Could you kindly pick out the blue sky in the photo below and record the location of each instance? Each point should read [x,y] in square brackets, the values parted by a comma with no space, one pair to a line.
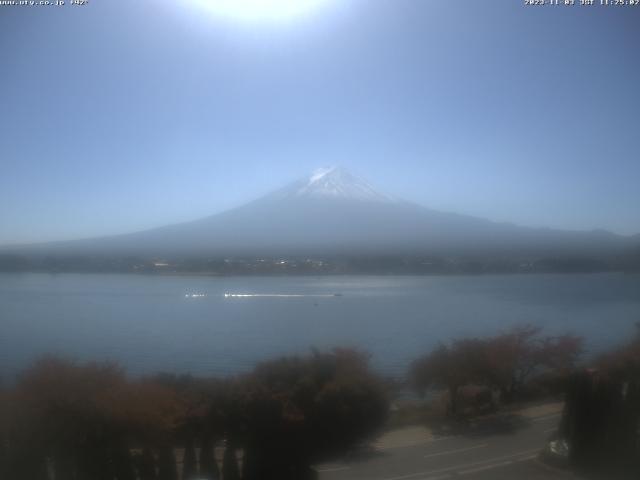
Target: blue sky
[120,115]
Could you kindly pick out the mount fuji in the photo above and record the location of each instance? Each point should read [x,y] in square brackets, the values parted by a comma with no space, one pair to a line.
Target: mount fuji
[334,212]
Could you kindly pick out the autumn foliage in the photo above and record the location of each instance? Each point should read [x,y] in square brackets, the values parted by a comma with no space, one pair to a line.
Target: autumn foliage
[503,363]
[72,421]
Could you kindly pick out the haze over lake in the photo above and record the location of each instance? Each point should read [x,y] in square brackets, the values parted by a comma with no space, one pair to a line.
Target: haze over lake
[187,324]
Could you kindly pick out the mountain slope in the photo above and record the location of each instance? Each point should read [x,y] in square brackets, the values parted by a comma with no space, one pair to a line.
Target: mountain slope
[334,212]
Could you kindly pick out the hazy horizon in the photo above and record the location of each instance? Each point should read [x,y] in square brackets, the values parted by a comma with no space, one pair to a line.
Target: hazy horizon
[121,117]
[293,187]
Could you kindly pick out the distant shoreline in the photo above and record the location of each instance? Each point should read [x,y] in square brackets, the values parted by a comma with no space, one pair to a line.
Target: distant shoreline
[324,274]
[320,265]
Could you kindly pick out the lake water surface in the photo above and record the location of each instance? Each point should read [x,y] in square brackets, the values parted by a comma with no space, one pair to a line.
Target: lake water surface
[188,324]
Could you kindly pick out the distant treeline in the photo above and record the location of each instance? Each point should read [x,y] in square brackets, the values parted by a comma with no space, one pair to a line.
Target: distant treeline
[362,264]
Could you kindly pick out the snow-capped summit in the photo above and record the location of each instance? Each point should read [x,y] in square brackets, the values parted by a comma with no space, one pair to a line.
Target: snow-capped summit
[334,212]
[338,183]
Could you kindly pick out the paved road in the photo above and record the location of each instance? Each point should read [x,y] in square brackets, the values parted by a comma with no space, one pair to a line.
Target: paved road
[504,449]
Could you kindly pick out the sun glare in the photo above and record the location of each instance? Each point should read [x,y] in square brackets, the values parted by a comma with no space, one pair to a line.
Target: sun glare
[259,9]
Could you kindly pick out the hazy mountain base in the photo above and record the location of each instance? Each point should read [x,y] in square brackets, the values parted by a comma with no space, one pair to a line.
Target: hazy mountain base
[273,227]
[334,222]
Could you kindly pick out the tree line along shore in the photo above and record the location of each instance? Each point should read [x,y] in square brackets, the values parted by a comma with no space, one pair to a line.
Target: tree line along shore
[323,265]
[89,421]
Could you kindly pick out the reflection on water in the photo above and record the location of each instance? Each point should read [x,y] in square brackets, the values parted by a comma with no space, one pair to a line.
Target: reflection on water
[265,295]
[180,324]
[279,295]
